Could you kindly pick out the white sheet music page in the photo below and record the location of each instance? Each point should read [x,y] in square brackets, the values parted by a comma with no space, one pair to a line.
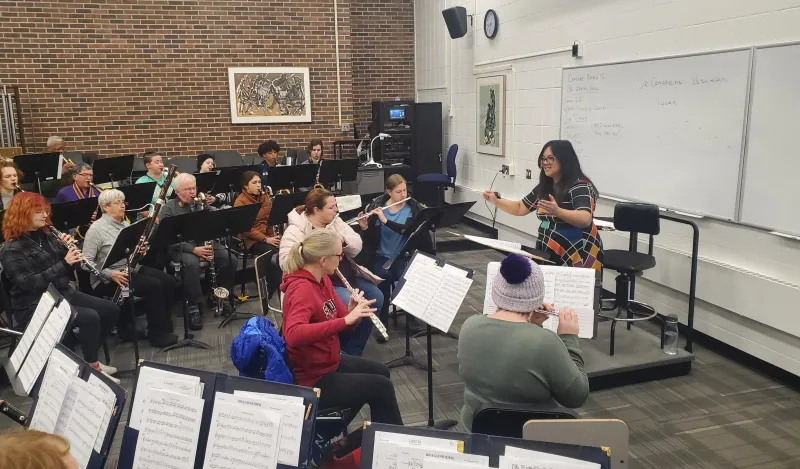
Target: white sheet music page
[70,398]
[151,379]
[274,397]
[44,306]
[413,457]
[571,287]
[430,463]
[419,288]
[492,269]
[345,203]
[49,336]
[447,299]
[57,378]
[507,246]
[84,421]
[292,416]
[108,403]
[242,436]
[544,460]
[388,445]
[169,431]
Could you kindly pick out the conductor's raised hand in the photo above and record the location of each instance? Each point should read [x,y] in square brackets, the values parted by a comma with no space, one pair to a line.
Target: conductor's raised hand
[549,207]
[490,197]
[362,310]
[567,322]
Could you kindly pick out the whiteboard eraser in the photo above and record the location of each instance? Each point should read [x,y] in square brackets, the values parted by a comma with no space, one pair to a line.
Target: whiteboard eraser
[577,50]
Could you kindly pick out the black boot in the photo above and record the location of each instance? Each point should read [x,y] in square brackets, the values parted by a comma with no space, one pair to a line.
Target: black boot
[195,318]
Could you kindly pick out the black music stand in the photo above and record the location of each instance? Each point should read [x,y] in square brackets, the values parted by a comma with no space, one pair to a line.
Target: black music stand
[230,179]
[282,205]
[37,167]
[126,242]
[172,230]
[67,215]
[113,169]
[338,171]
[138,196]
[292,177]
[205,182]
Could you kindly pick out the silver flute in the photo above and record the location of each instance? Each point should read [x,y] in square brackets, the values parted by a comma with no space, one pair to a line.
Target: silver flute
[70,245]
[355,220]
[377,322]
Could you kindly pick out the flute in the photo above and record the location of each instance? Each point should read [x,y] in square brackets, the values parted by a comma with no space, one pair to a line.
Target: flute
[356,219]
[377,322]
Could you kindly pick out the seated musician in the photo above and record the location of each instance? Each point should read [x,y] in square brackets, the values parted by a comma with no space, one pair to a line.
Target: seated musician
[269,151]
[192,252]
[56,144]
[320,212]
[32,449]
[314,150]
[314,315]
[508,358]
[154,163]
[10,177]
[206,164]
[261,238]
[383,234]
[155,287]
[33,258]
[81,187]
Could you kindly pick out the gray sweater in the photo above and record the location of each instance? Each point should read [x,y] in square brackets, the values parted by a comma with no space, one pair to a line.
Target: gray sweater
[504,362]
[172,208]
[99,240]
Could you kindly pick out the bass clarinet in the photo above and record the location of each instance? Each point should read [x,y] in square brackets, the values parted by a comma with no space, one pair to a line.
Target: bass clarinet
[377,322]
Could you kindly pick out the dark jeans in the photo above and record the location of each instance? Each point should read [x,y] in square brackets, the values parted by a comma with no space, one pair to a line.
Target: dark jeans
[191,273]
[353,342]
[360,381]
[96,317]
[274,274]
[158,292]
[390,276]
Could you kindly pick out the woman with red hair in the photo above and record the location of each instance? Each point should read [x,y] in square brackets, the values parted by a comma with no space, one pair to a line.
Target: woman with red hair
[33,258]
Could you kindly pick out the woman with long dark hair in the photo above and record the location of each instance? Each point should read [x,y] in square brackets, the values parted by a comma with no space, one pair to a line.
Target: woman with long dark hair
[564,201]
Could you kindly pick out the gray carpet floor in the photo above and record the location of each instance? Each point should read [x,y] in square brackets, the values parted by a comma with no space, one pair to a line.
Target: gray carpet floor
[721,415]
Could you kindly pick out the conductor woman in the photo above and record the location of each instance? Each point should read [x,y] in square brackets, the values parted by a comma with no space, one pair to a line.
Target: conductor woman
[564,201]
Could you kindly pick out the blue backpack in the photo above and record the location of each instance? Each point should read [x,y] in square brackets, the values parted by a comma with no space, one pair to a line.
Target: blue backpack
[258,352]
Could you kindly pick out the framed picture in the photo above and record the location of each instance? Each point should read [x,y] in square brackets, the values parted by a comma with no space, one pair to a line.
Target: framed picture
[491,116]
[269,95]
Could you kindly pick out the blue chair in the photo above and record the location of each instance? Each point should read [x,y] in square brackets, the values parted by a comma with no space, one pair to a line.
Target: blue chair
[442,181]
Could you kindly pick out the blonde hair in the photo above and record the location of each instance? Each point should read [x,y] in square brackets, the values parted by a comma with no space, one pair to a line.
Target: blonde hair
[32,449]
[393,181]
[315,246]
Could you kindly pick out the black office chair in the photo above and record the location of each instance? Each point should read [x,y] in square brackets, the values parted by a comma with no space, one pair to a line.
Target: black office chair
[636,219]
[226,158]
[442,180]
[185,164]
[298,155]
[508,419]
[139,169]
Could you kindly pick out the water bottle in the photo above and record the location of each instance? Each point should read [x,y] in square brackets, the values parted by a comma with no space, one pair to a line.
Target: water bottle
[671,335]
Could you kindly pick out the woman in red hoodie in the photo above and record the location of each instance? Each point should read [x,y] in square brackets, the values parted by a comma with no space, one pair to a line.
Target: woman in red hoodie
[313,318]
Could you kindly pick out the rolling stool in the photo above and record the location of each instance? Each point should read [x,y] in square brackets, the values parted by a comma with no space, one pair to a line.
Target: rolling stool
[634,218]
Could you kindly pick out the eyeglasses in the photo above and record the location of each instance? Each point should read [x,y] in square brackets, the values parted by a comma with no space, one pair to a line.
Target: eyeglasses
[547,160]
[340,256]
[86,175]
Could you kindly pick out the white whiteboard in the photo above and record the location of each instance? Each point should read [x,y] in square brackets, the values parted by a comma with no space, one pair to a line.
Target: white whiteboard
[664,131]
[770,194]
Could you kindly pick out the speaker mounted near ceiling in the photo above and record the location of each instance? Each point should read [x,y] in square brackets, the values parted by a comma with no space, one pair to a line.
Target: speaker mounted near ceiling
[456,20]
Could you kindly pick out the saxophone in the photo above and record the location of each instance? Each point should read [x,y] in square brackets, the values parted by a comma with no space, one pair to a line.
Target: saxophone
[377,322]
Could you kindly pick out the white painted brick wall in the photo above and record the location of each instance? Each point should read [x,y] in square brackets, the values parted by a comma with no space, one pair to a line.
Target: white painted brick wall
[749,286]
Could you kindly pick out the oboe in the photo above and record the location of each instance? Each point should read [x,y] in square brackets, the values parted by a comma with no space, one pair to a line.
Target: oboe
[70,245]
[377,322]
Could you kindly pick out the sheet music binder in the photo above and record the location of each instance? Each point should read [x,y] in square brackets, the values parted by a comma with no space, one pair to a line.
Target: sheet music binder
[219,382]
[486,445]
[97,460]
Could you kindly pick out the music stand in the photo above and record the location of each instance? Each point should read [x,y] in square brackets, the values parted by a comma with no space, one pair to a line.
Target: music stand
[138,196]
[68,215]
[124,245]
[338,171]
[37,167]
[230,179]
[112,169]
[292,177]
[282,205]
[205,182]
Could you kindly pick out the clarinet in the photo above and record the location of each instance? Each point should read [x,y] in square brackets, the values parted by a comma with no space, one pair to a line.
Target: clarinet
[377,322]
[70,245]
[13,413]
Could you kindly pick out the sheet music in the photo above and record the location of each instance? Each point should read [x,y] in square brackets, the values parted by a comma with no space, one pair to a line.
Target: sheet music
[507,246]
[46,303]
[107,406]
[50,335]
[242,436]
[445,303]
[388,446]
[84,421]
[419,260]
[57,378]
[571,287]
[419,288]
[518,458]
[413,457]
[604,225]
[430,463]
[291,421]
[70,398]
[274,397]
[170,430]
[345,203]
[153,379]
[492,269]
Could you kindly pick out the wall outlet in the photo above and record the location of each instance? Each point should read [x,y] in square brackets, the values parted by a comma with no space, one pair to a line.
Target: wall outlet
[346,127]
[504,169]
[528,174]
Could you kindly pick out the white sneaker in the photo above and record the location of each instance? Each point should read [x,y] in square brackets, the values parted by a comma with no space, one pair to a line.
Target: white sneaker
[108,369]
[115,380]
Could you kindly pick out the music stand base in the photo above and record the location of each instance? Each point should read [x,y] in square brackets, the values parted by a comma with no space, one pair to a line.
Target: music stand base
[187,342]
[409,359]
[234,316]
[422,333]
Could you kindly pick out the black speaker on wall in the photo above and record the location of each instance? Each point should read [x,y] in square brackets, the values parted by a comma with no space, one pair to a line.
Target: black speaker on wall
[456,19]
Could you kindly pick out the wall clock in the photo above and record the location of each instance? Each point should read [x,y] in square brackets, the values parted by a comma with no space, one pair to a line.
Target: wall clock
[490,24]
